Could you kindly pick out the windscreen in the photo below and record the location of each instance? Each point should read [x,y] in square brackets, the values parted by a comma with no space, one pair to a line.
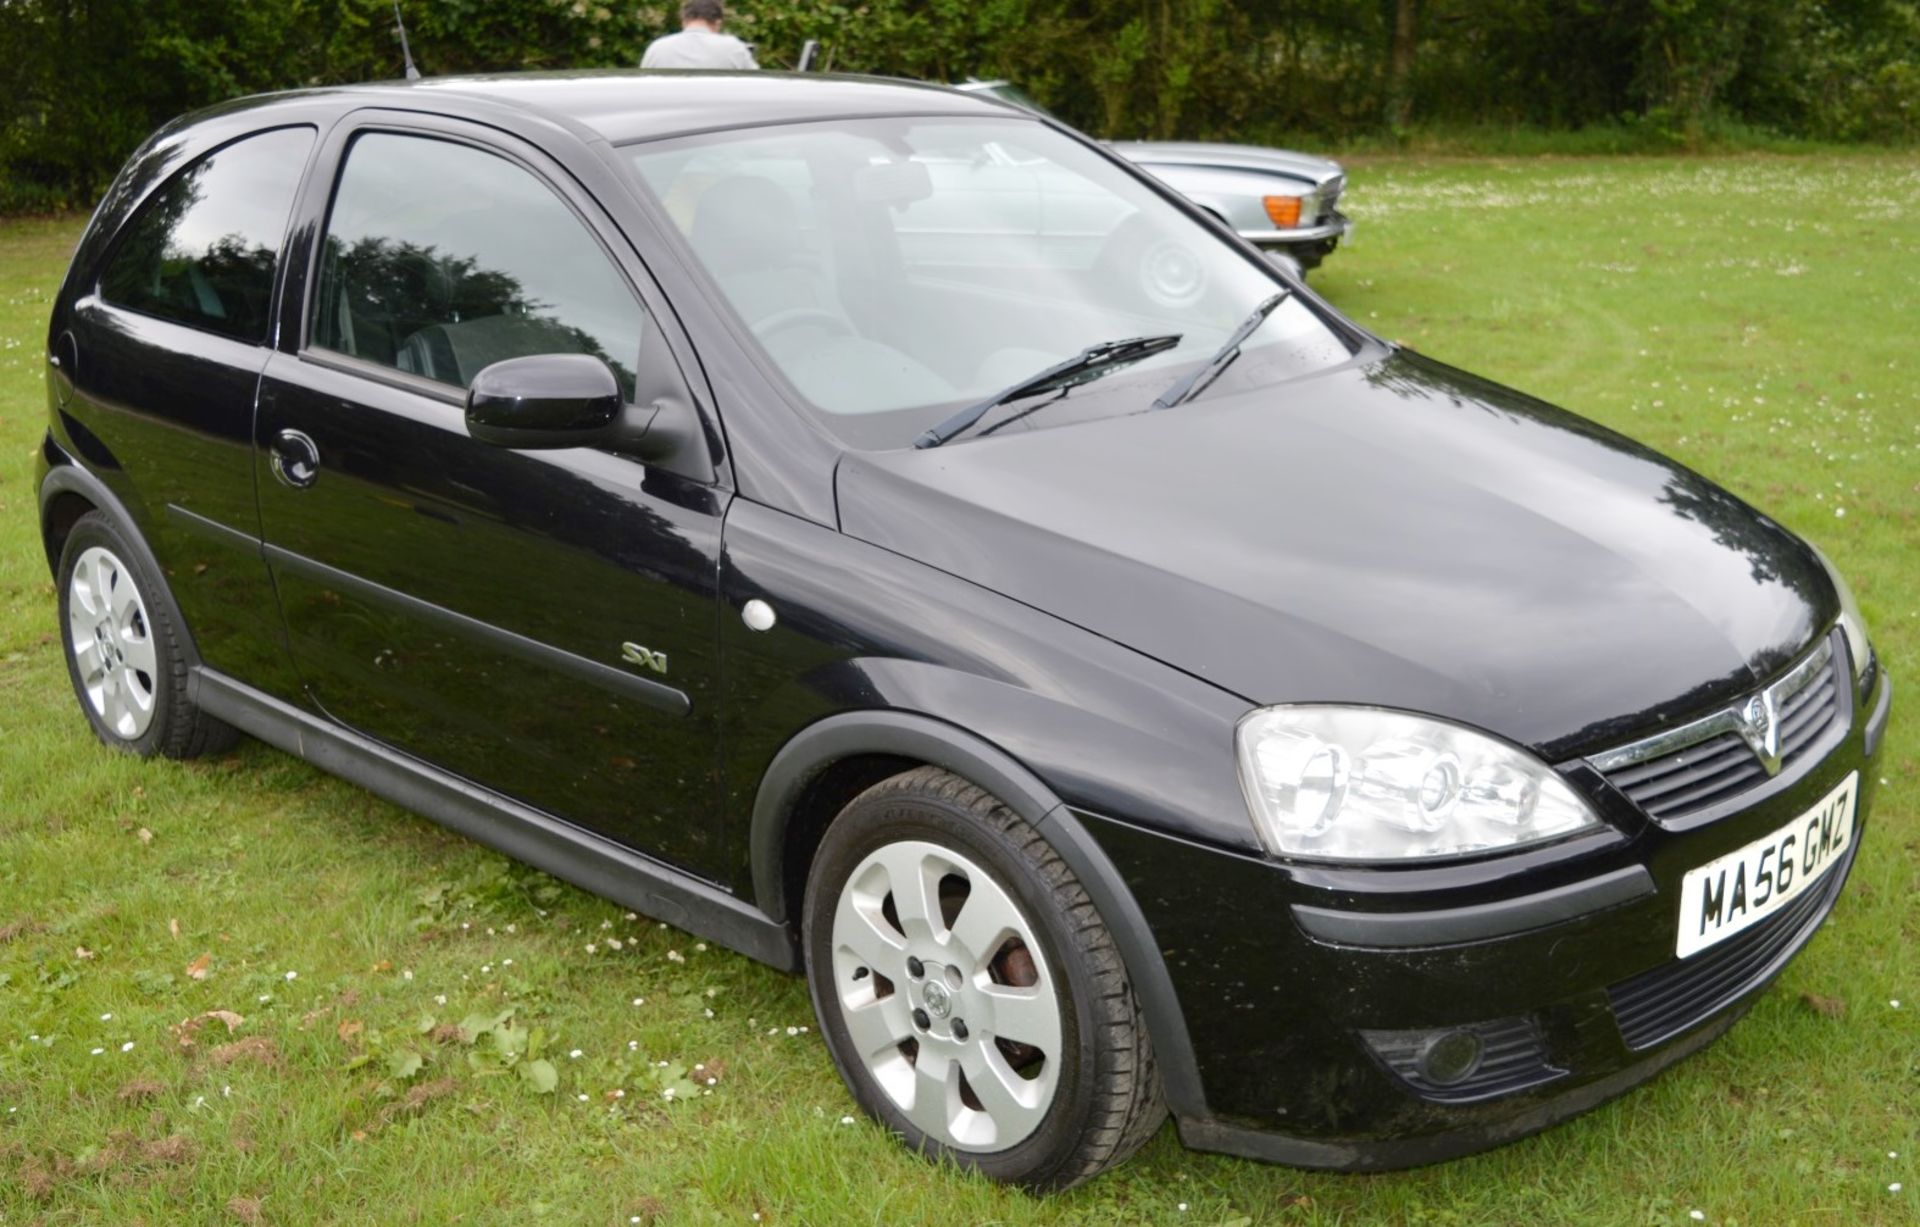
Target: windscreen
[894,269]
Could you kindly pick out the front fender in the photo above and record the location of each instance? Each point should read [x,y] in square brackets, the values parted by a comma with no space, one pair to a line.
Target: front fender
[873,655]
[859,628]
[1102,742]
[1234,195]
[925,739]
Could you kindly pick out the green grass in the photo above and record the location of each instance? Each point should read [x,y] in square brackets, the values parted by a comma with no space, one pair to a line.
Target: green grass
[1629,135]
[1753,316]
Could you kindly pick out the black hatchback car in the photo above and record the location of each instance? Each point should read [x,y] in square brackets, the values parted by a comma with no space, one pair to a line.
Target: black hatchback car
[884,532]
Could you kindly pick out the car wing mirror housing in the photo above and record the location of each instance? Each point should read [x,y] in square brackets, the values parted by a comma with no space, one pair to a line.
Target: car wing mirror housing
[544,400]
[574,400]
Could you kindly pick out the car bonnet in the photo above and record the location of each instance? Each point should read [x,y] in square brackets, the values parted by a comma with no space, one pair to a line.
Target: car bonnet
[1230,157]
[1395,533]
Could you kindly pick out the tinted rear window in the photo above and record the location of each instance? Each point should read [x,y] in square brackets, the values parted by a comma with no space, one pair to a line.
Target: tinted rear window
[201,251]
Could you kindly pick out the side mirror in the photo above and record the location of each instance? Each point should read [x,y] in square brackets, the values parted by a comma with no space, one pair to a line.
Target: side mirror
[545,400]
[574,400]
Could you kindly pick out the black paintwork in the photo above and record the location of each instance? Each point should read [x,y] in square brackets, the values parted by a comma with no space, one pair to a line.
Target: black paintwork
[1077,614]
[1283,1060]
[544,400]
[1309,519]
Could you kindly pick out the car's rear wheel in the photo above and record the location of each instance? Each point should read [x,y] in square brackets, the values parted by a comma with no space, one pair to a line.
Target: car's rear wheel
[124,653]
[968,989]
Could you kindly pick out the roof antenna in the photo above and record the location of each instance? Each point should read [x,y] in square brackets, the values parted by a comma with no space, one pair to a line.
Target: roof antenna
[406,52]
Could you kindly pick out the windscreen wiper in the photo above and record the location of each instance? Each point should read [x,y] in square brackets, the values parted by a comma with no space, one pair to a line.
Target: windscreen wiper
[1089,364]
[1190,386]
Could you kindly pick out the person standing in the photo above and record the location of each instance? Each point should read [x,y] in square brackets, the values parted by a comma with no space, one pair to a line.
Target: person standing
[699,44]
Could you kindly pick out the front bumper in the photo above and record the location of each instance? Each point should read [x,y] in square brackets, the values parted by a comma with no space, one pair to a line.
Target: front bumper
[1320,232]
[1305,988]
[1307,245]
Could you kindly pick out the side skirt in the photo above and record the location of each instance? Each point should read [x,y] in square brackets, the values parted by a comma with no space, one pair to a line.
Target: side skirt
[589,861]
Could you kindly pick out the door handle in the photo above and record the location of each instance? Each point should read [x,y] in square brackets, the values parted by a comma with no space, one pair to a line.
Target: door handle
[295,459]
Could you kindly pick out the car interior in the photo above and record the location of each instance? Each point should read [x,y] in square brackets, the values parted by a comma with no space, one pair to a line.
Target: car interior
[891,269]
[441,260]
[873,295]
[223,285]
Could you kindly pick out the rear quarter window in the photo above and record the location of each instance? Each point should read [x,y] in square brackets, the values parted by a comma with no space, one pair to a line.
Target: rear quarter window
[201,251]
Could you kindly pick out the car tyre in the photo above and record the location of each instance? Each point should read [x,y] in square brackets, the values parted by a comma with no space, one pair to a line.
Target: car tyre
[930,901]
[124,650]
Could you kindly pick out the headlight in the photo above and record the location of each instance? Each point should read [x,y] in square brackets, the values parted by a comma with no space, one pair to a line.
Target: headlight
[1355,783]
[1851,621]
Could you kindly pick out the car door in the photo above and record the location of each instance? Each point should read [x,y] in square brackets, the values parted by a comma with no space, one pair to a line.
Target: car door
[539,622]
[168,344]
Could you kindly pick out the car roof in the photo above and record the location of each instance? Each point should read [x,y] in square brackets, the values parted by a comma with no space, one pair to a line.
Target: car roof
[629,105]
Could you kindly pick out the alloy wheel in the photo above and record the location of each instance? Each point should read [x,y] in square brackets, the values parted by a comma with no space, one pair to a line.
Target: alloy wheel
[111,638]
[946,995]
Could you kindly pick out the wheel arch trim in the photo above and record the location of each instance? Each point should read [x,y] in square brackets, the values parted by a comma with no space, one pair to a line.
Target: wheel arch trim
[940,744]
[72,478]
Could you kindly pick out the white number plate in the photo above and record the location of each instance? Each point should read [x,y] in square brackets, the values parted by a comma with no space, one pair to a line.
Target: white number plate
[1747,885]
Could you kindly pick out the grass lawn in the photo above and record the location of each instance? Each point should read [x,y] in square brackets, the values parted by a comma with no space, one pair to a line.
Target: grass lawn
[1753,316]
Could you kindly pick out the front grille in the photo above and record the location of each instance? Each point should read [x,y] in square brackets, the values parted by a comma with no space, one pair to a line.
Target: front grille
[1710,761]
[1330,195]
[1659,1004]
[1693,778]
[1807,714]
[1514,1058]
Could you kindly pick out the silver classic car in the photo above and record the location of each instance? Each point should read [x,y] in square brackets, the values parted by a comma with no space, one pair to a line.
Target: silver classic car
[1279,200]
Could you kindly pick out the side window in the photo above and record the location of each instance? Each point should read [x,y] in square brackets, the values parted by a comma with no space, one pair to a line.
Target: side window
[441,259]
[202,250]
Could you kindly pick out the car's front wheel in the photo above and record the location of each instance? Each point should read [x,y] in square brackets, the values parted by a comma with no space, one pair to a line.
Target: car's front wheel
[124,653]
[968,989]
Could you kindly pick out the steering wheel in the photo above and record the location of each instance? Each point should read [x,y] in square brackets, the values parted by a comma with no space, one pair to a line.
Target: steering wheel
[798,317]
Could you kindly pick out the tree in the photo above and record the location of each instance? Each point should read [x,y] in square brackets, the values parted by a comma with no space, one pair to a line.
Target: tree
[1400,64]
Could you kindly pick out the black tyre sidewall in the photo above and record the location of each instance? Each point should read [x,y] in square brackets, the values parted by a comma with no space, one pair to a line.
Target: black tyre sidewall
[870,823]
[95,529]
